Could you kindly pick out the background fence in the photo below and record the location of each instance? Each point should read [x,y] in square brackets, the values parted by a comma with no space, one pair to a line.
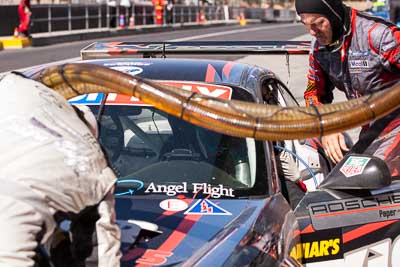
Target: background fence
[69,17]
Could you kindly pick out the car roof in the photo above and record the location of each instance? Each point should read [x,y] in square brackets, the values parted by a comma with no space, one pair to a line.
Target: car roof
[187,69]
[239,76]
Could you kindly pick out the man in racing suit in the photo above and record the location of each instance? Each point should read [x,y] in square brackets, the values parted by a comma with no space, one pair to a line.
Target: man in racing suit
[358,54]
[52,169]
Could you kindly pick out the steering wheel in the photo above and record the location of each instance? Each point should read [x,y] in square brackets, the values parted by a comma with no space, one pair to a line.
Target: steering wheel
[112,138]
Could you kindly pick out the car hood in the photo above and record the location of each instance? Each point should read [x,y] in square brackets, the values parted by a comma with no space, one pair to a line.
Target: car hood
[152,235]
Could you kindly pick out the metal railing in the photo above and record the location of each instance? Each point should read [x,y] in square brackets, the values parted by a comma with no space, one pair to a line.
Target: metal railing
[51,18]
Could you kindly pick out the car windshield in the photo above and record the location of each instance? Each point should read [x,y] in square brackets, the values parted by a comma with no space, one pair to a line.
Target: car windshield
[169,155]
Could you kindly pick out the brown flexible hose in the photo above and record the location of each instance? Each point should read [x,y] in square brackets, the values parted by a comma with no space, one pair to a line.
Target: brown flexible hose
[236,118]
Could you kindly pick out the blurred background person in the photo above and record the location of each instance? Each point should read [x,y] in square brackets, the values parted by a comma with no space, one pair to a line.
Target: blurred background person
[170,11]
[24,12]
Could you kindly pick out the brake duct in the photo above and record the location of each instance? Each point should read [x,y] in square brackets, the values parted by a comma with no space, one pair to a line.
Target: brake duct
[231,117]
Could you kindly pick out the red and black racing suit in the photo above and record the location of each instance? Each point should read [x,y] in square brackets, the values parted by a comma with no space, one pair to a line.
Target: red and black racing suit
[366,60]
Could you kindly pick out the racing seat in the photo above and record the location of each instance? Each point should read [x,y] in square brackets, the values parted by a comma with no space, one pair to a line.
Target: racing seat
[227,153]
[191,142]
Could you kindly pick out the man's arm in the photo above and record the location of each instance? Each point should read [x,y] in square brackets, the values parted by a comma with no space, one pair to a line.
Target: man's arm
[388,46]
[319,88]
[319,91]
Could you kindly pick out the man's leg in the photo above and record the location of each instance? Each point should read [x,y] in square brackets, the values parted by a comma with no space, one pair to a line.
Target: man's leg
[20,226]
[106,251]
[22,20]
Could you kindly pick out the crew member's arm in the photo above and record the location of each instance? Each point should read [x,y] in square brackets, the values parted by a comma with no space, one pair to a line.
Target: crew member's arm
[388,46]
[318,92]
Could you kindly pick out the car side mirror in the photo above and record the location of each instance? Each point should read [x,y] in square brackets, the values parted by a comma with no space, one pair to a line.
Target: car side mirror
[358,171]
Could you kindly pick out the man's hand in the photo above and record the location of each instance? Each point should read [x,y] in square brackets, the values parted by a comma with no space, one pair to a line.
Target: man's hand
[333,145]
[289,166]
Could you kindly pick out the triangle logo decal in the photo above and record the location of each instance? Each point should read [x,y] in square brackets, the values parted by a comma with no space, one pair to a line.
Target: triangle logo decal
[206,207]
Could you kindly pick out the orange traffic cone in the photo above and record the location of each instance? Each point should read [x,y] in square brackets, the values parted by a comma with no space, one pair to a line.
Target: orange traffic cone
[131,22]
[242,19]
[16,33]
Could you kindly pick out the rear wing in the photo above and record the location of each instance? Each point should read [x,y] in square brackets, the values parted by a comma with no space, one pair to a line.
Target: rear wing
[99,50]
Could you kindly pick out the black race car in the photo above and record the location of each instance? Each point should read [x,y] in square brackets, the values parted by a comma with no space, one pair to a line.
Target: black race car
[190,196]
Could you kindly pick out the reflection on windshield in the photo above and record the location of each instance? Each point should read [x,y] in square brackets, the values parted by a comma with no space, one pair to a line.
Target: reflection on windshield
[171,155]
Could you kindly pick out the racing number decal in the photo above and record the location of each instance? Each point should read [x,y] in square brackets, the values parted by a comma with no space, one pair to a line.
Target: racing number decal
[154,257]
[372,255]
[382,253]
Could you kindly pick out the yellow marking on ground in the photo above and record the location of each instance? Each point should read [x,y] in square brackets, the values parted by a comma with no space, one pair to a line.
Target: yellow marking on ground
[12,43]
